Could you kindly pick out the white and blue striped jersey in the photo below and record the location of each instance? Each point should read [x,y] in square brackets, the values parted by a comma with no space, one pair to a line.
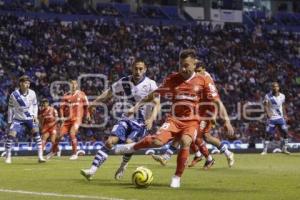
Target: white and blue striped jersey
[275,105]
[131,93]
[22,106]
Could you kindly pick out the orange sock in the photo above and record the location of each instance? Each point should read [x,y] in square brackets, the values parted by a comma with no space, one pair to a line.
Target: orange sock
[203,149]
[193,147]
[182,159]
[144,143]
[74,146]
[43,144]
[55,146]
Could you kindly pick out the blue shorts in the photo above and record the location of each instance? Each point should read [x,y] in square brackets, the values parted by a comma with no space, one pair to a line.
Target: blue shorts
[129,129]
[18,125]
[271,125]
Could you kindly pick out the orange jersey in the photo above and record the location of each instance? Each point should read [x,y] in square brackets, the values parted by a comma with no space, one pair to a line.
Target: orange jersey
[48,116]
[74,106]
[207,108]
[186,95]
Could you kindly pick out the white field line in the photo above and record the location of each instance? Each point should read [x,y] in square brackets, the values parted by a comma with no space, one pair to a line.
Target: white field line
[57,195]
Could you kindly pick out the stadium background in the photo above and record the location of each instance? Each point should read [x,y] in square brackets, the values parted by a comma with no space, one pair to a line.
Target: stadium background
[244,44]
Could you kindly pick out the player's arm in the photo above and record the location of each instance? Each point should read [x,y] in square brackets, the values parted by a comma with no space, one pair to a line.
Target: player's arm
[224,115]
[211,92]
[10,113]
[86,112]
[284,111]
[267,108]
[104,97]
[35,109]
[62,107]
[147,99]
[156,108]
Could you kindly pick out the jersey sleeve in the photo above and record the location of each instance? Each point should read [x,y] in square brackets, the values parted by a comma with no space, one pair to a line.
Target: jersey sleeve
[210,90]
[63,105]
[153,86]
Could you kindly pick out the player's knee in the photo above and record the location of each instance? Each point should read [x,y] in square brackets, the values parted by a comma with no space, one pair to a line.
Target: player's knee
[109,143]
[185,141]
[35,130]
[157,143]
[12,134]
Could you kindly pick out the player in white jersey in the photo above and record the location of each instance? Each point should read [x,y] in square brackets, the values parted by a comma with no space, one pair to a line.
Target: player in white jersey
[127,130]
[23,111]
[274,107]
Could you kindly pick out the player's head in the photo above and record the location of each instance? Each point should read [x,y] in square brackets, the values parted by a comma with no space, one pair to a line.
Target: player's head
[45,102]
[73,85]
[275,87]
[139,69]
[200,67]
[24,83]
[187,62]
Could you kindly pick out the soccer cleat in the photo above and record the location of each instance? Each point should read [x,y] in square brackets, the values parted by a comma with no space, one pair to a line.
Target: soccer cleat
[230,160]
[285,151]
[195,161]
[125,148]
[8,160]
[41,160]
[175,182]
[87,174]
[74,157]
[50,155]
[263,153]
[120,172]
[162,160]
[208,164]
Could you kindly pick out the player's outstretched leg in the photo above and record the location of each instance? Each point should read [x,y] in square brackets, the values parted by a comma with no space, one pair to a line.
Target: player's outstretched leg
[99,159]
[121,170]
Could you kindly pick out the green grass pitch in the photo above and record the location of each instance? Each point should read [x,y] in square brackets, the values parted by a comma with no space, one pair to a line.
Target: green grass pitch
[252,177]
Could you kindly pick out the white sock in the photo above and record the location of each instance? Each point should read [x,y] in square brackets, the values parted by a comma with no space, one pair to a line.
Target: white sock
[198,154]
[266,144]
[93,169]
[209,158]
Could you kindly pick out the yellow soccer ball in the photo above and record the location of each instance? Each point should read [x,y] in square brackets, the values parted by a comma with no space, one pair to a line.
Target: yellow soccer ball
[142,177]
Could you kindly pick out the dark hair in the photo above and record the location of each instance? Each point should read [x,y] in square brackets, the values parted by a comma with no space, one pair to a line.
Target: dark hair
[45,100]
[187,53]
[24,78]
[138,60]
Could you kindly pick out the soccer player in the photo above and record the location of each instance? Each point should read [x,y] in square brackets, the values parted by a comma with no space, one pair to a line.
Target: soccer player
[186,89]
[127,130]
[73,110]
[208,112]
[48,118]
[22,111]
[276,114]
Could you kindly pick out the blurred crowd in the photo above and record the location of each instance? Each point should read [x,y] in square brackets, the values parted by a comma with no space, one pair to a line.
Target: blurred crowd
[242,63]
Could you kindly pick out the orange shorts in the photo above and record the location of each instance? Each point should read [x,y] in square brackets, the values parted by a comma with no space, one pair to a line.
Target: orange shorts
[204,128]
[173,128]
[67,125]
[51,130]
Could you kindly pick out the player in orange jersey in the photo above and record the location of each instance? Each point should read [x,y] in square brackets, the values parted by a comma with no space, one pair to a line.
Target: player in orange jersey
[207,113]
[187,89]
[73,110]
[48,118]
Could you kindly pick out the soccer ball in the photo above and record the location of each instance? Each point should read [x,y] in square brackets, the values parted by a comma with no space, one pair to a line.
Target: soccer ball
[142,177]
